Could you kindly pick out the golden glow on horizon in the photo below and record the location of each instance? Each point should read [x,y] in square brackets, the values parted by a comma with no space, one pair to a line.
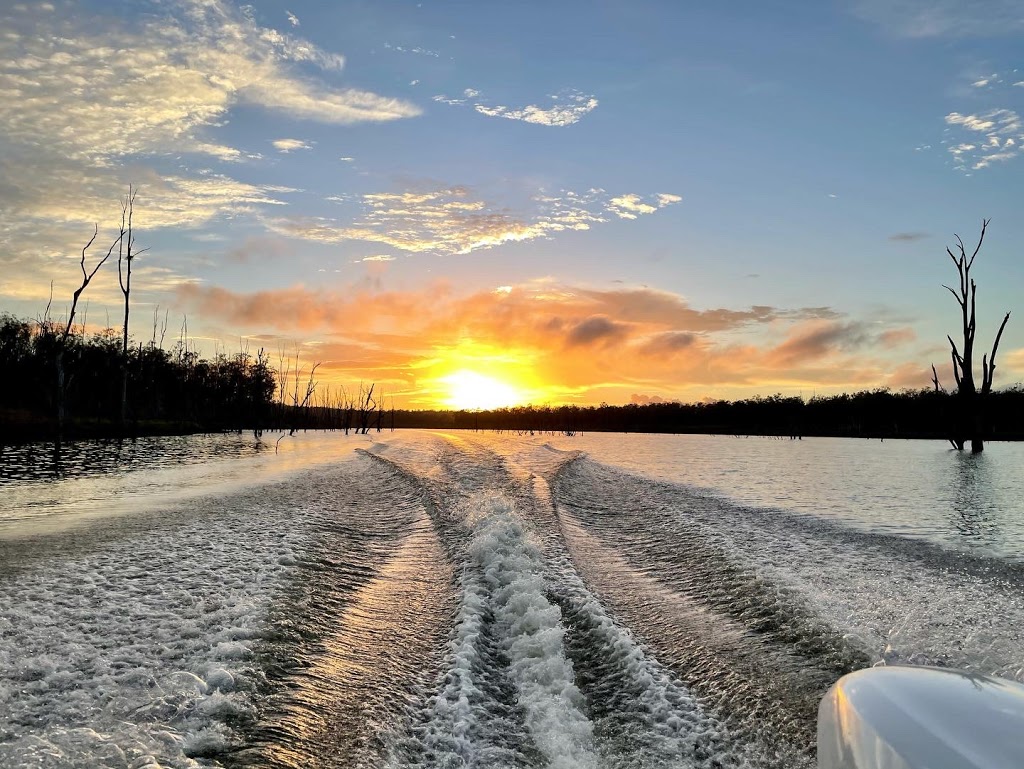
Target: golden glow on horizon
[470,390]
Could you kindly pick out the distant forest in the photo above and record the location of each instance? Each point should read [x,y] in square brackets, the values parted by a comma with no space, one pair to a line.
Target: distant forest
[177,391]
[168,391]
[878,413]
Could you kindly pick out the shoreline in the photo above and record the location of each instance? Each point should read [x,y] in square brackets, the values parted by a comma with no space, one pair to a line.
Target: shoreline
[24,432]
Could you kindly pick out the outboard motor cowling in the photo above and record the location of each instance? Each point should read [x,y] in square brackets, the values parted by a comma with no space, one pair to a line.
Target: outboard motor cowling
[921,718]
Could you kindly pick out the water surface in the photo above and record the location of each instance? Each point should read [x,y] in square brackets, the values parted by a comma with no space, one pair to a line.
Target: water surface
[418,599]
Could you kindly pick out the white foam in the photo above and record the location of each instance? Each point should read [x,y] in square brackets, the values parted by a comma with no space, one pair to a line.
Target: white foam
[504,579]
[513,573]
[137,649]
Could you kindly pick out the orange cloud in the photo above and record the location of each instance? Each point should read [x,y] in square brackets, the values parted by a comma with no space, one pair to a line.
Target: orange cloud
[561,343]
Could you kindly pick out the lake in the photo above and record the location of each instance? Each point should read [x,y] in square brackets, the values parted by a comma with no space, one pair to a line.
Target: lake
[419,599]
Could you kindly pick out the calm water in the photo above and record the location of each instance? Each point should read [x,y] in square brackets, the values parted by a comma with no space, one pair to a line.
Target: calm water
[430,600]
[911,488]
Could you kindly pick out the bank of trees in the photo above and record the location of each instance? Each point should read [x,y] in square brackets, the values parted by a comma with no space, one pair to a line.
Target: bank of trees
[878,413]
[103,379]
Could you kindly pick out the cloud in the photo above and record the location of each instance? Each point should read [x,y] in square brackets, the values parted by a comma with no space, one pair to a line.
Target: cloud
[1013,362]
[290,145]
[629,206]
[377,258]
[669,342]
[90,104]
[292,18]
[583,343]
[908,237]
[943,18]
[48,206]
[911,375]
[67,87]
[818,338]
[991,137]
[987,81]
[568,108]
[415,49]
[897,337]
[454,220]
[596,328]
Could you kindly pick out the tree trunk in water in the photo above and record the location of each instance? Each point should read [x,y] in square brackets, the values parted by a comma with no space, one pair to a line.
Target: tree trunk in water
[60,392]
[124,394]
[979,423]
[124,355]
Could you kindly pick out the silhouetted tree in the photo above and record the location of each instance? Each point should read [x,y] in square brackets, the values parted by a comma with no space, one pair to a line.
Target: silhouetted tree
[971,412]
[126,253]
[62,343]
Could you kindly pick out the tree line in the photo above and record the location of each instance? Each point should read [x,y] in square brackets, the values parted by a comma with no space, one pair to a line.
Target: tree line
[113,388]
[173,390]
[878,413]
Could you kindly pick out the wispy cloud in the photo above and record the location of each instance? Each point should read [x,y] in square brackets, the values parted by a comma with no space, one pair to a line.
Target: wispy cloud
[292,18]
[989,137]
[96,103]
[943,18]
[908,237]
[66,88]
[290,145]
[566,108]
[413,49]
[455,220]
[632,206]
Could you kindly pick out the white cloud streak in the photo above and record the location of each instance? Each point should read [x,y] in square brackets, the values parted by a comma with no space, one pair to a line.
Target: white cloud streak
[109,91]
[995,136]
[290,145]
[454,221]
[566,109]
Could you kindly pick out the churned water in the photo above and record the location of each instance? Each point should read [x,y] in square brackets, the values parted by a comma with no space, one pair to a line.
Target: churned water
[477,600]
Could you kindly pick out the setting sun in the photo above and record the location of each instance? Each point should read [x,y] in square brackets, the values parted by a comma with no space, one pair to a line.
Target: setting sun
[470,390]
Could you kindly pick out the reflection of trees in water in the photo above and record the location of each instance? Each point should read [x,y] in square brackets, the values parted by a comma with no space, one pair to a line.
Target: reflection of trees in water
[975,511]
[73,459]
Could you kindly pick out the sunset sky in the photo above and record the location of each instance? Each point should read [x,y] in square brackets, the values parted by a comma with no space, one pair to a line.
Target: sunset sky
[472,203]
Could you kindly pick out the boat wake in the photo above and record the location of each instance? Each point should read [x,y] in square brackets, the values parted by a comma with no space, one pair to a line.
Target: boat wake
[444,601]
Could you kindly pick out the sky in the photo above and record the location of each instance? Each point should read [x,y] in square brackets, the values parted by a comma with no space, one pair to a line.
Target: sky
[474,204]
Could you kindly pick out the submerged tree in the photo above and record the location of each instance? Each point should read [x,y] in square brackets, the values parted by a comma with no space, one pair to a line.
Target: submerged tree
[63,336]
[970,420]
[126,254]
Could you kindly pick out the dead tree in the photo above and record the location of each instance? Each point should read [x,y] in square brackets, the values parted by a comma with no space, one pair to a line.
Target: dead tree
[126,253]
[970,420]
[367,405]
[62,342]
[300,409]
